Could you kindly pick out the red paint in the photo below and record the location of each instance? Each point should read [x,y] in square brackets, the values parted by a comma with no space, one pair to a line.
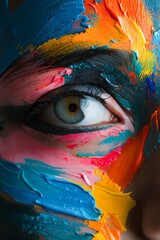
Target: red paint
[132,77]
[72,146]
[104,162]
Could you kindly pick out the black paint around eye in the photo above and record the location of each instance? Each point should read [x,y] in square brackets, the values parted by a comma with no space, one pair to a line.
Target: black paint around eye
[29,115]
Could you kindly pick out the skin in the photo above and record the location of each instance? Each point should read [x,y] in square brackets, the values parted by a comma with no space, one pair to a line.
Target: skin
[147,210]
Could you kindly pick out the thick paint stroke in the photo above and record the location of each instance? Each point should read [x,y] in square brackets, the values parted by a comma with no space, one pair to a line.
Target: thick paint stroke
[35,183]
[27,183]
[45,20]
[122,171]
[126,28]
[120,24]
[52,226]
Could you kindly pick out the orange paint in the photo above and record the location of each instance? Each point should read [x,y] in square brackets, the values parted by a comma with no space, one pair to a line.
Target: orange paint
[107,228]
[117,24]
[130,160]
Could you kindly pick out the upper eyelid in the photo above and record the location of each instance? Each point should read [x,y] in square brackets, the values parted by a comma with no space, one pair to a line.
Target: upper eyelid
[15,113]
[88,89]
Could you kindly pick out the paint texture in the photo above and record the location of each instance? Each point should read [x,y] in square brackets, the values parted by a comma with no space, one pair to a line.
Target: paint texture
[69,179]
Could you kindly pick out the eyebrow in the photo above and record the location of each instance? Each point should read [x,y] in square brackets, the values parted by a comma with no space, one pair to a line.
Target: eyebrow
[96,56]
[113,80]
[105,70]
[28,65]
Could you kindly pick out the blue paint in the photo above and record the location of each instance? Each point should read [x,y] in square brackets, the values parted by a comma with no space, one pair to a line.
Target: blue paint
[156,43]
[153,6]
[52,226]
[116,140]
[35,22]
[150,84]
[84,22]
[39,184]
[95,154]
[135,65]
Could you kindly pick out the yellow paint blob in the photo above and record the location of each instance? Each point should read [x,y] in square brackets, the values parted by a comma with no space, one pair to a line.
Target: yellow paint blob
[114,205]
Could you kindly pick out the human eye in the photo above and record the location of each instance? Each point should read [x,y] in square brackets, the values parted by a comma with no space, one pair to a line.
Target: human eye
[73,109]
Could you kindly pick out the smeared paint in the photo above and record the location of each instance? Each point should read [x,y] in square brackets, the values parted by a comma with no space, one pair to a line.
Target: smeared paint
[36,223]
[50,226]
[115,212]
[119,25]
[47,20]
[122,171]
[80,25]
[117,139]
[150,85]
[33,183]
[31,88]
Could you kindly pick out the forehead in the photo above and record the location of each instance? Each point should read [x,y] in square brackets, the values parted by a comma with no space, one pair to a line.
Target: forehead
[50,24]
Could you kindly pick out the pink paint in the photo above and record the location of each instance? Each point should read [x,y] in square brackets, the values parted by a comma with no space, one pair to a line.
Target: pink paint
[20,145]
[25,143]
[22,142]
[28,89]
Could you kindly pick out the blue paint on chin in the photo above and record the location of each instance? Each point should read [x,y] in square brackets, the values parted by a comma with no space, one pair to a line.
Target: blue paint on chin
[36,183]
[35,22]
[53,226]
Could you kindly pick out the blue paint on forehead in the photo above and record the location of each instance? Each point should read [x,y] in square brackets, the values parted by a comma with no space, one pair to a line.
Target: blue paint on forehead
[35,22]
[153,6]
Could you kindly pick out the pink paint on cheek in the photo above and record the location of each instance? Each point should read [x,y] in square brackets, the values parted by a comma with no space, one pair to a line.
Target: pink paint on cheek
[30,88]
[19,146]
[72,141]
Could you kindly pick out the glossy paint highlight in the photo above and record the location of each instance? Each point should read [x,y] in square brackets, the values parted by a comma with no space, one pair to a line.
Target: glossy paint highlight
[28,183]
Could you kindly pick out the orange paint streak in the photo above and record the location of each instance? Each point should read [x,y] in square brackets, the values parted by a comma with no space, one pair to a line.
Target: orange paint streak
[130,160]
[107,228]
[117,24]
[104,28]
[113,10]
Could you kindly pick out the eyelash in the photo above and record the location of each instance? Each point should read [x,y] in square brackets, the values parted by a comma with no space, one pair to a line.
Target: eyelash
[32,120]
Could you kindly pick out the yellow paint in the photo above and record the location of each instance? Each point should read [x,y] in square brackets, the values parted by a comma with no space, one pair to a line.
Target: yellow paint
[125,32]
[114,205]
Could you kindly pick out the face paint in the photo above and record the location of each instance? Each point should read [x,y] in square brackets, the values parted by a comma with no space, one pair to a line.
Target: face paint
[75,104]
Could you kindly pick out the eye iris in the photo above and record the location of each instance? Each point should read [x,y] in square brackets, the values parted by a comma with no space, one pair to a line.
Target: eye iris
[69,109]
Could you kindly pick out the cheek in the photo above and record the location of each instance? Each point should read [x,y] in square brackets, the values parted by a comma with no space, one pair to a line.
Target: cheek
[77,156]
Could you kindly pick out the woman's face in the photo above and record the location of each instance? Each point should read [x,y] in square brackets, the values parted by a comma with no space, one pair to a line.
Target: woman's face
[74,115]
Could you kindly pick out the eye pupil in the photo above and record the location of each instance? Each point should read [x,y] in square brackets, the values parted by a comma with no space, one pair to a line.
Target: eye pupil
[72,107]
